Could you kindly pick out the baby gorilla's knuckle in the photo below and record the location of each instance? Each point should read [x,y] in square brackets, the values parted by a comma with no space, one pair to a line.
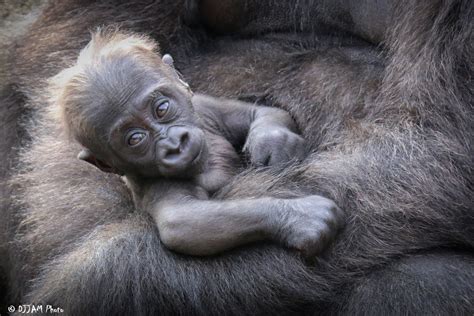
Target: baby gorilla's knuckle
[299,147]
[295,138]
[331,214]
[335,213]
[277,134]
[259,158]
[325,210]
[313,235]
[310,242]
[314,225]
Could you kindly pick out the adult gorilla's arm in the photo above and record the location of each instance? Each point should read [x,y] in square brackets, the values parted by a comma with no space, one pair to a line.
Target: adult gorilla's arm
[90,253]
[367,19]
[386,153]
[121,268]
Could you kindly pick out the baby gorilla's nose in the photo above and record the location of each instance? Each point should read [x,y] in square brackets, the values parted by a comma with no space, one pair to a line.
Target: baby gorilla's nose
[175,143]
[183,141]
[176,151]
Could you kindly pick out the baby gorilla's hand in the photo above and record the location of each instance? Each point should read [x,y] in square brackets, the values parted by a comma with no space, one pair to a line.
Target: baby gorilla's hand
[274,145]
[309,224]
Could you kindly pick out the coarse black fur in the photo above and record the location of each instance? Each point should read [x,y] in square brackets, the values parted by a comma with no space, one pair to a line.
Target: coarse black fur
[391,128]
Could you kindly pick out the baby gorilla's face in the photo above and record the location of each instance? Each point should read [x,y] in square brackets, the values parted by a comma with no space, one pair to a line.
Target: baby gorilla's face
[159,136]
[149,122]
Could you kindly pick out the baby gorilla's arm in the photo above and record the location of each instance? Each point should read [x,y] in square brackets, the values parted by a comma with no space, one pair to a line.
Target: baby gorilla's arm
[267,134]
[190,225]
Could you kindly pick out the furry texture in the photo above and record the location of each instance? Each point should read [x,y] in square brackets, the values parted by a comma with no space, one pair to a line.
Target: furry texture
[390,128]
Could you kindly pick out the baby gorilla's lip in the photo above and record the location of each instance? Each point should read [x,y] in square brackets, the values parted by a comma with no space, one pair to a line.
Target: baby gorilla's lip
[187,157]
[195,151]
[197,156]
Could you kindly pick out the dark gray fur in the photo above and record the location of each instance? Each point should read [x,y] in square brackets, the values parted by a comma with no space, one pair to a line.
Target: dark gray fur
[391,129]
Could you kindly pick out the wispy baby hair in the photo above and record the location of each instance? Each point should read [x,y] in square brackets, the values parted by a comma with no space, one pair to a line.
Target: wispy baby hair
[68,89]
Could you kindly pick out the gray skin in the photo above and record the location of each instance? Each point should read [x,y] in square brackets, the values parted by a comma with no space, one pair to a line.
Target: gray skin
[175,149]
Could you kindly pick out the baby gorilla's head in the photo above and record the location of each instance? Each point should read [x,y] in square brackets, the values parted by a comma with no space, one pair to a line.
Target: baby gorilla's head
[128,108]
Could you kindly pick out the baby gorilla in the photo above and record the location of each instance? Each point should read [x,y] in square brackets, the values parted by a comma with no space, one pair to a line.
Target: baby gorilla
[134,116]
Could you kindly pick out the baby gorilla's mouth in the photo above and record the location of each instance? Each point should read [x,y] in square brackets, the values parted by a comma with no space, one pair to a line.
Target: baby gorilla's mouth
[187,153]
[181,151]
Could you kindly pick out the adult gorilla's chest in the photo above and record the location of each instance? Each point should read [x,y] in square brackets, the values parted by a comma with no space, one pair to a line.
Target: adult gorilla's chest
[325,86]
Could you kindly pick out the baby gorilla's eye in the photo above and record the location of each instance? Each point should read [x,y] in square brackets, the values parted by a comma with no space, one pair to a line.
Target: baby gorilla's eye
[162,108]
[136,138]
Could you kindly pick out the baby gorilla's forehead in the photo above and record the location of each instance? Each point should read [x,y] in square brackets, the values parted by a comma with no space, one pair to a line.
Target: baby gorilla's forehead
[124,81]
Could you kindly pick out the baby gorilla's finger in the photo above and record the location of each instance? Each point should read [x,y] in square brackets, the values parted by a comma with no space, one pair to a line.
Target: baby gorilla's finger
[260,158]
[297,147]
[293,150]
[313,239]
[279,156]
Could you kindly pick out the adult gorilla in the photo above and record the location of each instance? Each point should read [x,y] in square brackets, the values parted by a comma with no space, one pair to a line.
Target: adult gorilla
[391,129]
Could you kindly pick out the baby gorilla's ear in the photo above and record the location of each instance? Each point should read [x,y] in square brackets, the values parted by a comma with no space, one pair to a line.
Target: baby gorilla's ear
[88,156]
[167,59]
